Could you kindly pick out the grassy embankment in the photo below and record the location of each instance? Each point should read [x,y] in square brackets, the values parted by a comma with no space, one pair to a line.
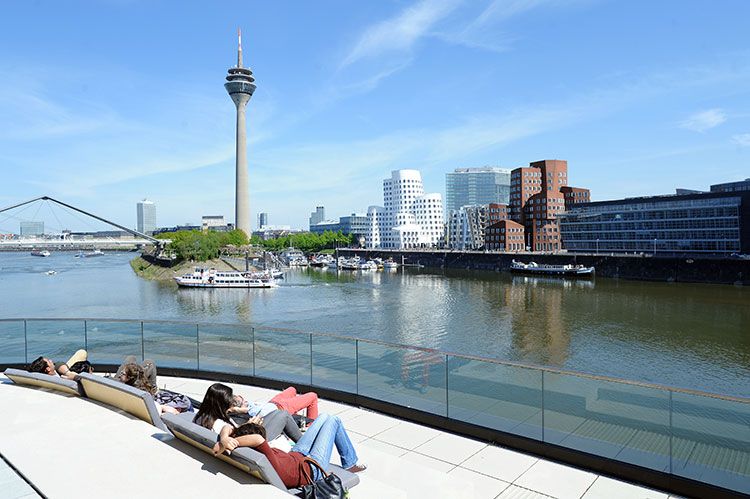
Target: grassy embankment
[146,270]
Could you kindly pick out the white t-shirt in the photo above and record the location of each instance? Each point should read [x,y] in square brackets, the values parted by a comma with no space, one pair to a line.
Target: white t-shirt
[220,423]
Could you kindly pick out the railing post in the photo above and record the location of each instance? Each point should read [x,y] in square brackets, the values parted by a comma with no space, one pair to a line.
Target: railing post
[143,344]
[671,432]
[311,360]
[25,343]
[197,348]
[543,406]
[447,405]
[356,365]
[252,329]
[86,335]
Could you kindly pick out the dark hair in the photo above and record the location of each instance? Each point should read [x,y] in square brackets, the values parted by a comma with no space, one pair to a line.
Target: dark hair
[132,374]
[82,366]
[217,401]
[38,366]
[249,429]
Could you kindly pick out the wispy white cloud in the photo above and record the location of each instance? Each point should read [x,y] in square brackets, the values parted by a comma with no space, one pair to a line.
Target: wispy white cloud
[704,120]
[401,32]
[742,139]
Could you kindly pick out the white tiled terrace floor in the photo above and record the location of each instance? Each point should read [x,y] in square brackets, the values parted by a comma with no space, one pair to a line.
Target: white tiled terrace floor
[405,460]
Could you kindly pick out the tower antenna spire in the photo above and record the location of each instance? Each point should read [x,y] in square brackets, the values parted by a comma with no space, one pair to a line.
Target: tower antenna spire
[239,48]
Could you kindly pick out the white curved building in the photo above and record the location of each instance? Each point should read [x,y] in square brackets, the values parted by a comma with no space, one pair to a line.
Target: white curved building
[409,218]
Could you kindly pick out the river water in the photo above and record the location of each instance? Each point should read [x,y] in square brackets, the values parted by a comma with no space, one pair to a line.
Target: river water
[686,335]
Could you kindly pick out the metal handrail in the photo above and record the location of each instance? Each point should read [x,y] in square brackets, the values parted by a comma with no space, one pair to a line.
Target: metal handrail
[431,351]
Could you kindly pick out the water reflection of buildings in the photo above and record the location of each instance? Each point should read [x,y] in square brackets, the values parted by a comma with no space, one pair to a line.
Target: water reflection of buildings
[538,331]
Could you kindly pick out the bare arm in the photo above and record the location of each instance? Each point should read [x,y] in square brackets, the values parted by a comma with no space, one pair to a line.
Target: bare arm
[225,441]
[250,440]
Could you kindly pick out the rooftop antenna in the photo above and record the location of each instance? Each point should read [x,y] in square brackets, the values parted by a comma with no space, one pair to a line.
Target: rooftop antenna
[239,48]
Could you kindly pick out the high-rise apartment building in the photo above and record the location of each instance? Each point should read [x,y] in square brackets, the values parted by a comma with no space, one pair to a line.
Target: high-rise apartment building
[317,216]
[538,193]
[476,186]
[146,214]
[409,218]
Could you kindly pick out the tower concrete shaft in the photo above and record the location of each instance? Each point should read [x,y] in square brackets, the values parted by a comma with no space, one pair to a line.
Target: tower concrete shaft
[240,86]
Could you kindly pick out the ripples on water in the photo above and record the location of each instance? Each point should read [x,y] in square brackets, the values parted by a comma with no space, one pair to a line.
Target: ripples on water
[695,336]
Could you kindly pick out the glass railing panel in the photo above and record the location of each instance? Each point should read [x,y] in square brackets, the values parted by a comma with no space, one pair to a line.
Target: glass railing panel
[620,421]
[404,376]
[282,355]
[12,343]
[497,396]
[226,348]
[56,339]
[711,440]
[334,363]
[171,344]
[109,342]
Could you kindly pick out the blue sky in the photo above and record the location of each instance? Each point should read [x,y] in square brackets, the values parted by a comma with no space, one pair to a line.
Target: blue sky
[104,103]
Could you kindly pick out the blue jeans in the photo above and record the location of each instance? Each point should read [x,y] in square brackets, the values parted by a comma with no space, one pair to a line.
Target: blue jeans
[319,439]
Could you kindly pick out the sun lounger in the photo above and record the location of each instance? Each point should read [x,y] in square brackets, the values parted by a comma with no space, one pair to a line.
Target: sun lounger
[247,459]
[116,394]
[40,380]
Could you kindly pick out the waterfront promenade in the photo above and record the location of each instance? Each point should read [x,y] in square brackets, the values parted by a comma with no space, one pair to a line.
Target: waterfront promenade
[641,267]
[115,455]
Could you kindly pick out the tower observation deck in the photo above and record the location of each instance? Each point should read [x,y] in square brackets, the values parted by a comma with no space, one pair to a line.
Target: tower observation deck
[240,85]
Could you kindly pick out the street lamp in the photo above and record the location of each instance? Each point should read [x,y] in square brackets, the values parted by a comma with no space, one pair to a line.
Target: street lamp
[597,245]
[654,246]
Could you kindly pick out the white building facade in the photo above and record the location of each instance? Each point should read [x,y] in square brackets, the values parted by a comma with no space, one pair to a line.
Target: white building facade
[146,217]
[409,218]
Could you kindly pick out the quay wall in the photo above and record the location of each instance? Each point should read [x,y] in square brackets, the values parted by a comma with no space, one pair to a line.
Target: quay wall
[646,268]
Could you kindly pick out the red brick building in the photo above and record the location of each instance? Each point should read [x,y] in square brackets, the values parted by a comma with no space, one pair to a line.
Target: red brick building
[505,235]
[537,194]
[497,212]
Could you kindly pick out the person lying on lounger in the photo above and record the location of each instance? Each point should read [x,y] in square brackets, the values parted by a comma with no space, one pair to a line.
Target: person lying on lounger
[46,366]
[288,400]
[218,406]
[293,467]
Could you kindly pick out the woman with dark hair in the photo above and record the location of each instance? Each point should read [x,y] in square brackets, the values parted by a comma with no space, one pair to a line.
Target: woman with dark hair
[219,404]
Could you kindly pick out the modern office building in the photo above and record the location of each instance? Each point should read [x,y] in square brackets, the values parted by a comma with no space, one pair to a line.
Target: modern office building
[325,225]
[465,228]
[211,222]
[31,228]
[538,194]
[409,218]
[742,185]
[262,220]
[146,217]
[497,212]
[476,186]
[240,86]
[317,216]
[712,223]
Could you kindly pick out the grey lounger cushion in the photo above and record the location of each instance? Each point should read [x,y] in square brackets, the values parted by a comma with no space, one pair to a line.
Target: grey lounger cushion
[40,380]
[131,400]
[244,458]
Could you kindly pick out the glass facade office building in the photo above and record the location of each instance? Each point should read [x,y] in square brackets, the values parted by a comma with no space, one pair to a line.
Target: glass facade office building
[707,223]
[476,186]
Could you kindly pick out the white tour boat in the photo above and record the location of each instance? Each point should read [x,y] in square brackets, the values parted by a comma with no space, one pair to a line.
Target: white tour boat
[551,270]
[212,278]
[40,253]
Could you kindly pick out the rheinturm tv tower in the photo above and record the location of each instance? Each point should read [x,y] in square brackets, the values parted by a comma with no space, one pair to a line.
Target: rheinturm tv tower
[240,86]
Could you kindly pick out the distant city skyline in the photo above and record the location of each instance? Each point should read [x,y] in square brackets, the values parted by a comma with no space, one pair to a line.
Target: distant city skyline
[640,99]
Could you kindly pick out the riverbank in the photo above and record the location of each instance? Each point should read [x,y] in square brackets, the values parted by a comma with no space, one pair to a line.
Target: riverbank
[153,272]
[633,267]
